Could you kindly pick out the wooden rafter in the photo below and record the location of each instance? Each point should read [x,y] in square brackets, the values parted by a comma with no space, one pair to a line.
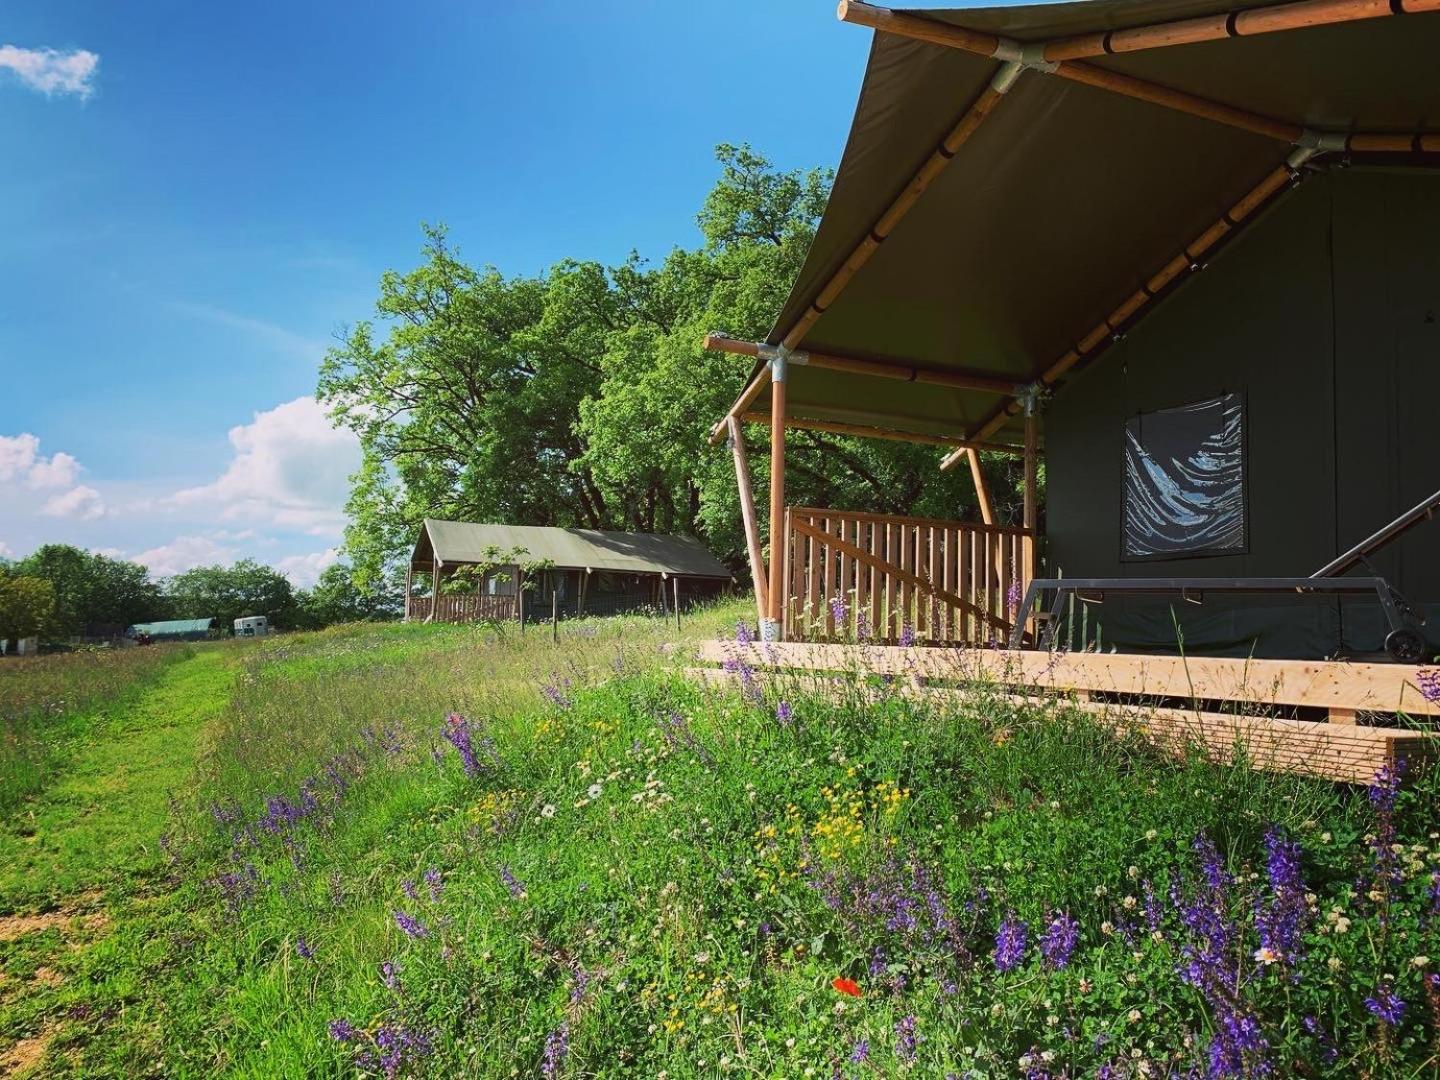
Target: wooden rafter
[920,28]
[864,431]
[1264,20]
[880,369]
[972,117]
[747,398]
[1104,332]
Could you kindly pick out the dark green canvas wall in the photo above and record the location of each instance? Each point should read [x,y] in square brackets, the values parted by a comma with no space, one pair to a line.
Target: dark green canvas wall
[1324,314]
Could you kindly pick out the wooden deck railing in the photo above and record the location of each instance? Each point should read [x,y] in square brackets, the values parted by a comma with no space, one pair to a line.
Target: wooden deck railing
[851,576]
[462,607]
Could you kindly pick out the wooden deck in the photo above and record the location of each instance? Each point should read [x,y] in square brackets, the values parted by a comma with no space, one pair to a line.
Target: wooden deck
[1260,709]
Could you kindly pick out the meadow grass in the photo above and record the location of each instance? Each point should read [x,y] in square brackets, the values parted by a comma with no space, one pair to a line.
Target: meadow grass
[414,850]
[49,703]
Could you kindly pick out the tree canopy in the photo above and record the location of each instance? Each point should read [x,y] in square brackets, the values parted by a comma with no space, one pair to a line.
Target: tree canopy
[582,397]
[92,591]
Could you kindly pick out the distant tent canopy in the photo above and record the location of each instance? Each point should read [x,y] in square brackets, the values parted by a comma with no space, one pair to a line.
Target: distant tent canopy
[173,629]
[562,571]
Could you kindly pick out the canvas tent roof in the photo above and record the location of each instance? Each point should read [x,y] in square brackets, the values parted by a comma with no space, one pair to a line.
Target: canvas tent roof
[168,627]
[1066,198]
[638,553]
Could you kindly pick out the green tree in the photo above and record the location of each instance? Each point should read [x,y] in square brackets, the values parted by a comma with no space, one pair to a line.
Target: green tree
[584,397]
[27,606]
[92,590]
[336,598]
[227,593]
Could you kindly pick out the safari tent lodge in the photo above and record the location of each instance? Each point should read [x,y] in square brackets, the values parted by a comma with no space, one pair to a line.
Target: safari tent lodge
[1186,253]
[464,572]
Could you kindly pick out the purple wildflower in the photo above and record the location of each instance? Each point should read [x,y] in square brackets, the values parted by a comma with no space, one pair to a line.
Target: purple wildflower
[907,635]
[557,1048]
[303,948]
[906,1039]
[435,883]
[1386,1005]
[1317,1031]
[412,926]
[743,634]
[458,734]
[784,713]
[343,1030]
[1010,943]
[1428,682]
[389,976]
[839,610]
[557,693]
[1282,920]
[1059,939]
[512,883]
[861,1053]
[408,888]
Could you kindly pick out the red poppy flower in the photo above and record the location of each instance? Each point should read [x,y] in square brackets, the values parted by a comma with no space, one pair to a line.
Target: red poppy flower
[846,986]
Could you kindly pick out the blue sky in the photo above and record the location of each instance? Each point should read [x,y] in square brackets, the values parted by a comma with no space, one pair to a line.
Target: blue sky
[196,196]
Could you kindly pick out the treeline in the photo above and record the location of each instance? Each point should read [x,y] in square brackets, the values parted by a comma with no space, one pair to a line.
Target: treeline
[61,592]
[582,397]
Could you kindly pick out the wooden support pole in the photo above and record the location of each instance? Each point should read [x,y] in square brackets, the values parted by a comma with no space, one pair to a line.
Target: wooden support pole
[982,489]
[409,580]
[776,596]
[435,591]
[1032,470]
[864,431]
[880,369]
[1264,20]
[747,398]
[747,516]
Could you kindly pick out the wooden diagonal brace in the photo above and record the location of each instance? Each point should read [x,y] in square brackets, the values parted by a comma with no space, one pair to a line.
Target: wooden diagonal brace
[864,557]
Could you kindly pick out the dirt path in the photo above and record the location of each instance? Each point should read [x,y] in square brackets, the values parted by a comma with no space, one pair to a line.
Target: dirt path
[75,860]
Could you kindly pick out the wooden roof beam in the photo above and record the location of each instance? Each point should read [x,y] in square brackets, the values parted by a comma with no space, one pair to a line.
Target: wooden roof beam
[969,120]
[1190,258]
[879,369]
[1263,20]
[864,431]
[920,28]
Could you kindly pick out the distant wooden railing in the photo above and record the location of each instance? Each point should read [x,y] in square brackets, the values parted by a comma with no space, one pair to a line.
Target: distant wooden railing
[462,607]
[853,576]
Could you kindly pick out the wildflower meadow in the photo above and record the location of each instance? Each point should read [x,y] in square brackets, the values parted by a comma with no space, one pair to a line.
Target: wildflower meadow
[416,851]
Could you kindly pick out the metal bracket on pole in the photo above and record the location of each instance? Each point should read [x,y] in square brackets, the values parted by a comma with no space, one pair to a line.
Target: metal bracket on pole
[1031,397]
[780,358]
[1031,55]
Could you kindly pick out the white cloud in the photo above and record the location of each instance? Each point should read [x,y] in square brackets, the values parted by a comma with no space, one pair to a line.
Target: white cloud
[52,71]
[17,455]
[80,502]
[60,470]
[304,570]
[291,469]
[6,551]
[184,553]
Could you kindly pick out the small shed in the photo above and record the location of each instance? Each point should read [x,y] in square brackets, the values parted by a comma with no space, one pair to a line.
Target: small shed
[172,630]
[482,571]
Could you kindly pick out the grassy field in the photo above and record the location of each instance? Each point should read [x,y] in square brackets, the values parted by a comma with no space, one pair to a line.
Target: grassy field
[410,850]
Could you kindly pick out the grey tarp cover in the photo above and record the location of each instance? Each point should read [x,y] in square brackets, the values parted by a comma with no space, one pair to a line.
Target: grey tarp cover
[639,553]
[1067,198]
